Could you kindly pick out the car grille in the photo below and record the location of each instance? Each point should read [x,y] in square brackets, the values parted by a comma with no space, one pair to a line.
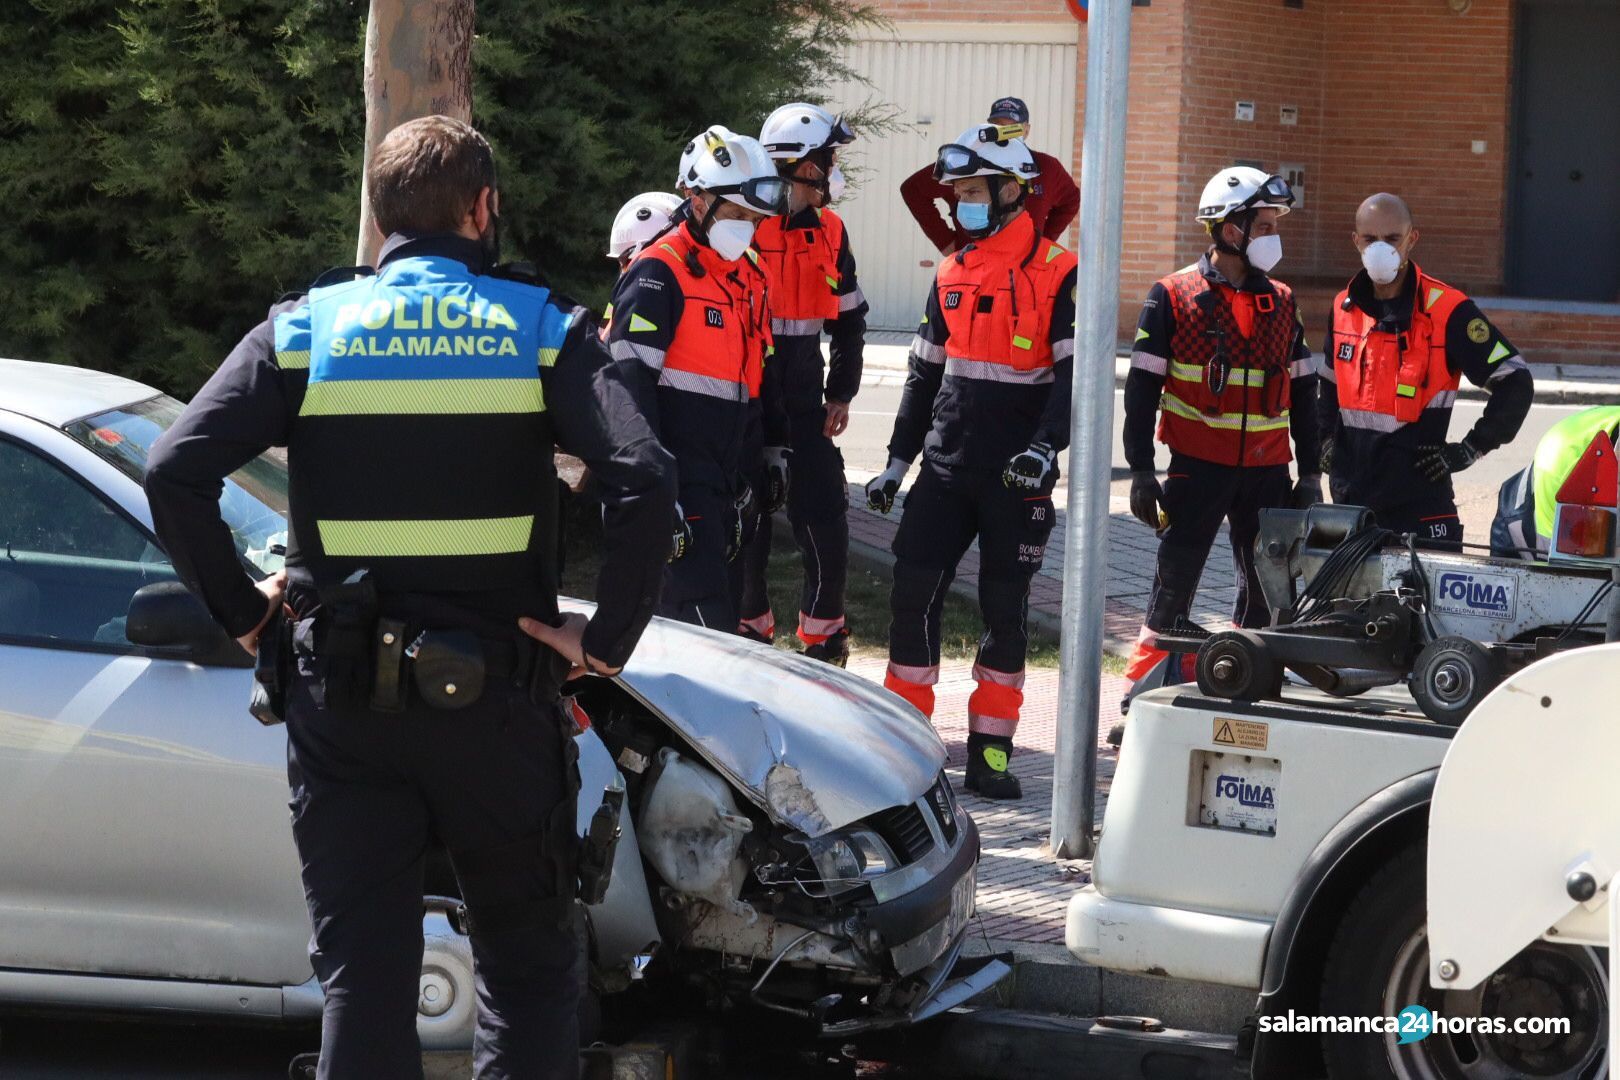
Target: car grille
[906,831]
[906,828]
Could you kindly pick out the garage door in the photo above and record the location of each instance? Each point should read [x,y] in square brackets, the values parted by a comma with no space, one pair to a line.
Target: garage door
[939,87]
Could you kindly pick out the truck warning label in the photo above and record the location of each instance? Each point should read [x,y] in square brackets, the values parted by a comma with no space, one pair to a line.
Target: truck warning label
[1243,734]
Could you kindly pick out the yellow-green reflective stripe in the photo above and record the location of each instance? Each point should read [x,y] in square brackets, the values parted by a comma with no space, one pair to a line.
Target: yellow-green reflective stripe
[548,357]
[1021,342]
[1405,391]
[832,281]
[407,397]
[1255,422]
[470,536]
[1237,376]
[1053,252]
[294,360]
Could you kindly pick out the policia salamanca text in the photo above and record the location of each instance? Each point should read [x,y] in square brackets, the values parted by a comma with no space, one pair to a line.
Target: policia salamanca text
[446,312]
[1303,1024]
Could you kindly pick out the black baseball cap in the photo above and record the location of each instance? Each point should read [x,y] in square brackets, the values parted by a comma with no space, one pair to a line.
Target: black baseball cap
[1010,107]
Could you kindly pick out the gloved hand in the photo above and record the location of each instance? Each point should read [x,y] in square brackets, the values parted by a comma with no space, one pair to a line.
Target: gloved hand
[1030,470]
[777,477]
[1435,463]
[742,508]
[880,490]
[1307,491]
[1324,459]
[681,541]
[1147,498]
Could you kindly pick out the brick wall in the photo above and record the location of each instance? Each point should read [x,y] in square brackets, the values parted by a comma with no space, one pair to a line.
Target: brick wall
[1392,95]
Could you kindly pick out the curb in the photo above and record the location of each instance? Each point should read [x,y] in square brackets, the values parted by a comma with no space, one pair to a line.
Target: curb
[1047,979]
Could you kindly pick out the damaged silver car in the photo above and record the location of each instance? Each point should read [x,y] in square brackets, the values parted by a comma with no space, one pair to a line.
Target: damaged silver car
[788,838]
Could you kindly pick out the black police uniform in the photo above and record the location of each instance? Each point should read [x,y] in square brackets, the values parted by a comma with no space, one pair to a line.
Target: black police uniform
[437,482]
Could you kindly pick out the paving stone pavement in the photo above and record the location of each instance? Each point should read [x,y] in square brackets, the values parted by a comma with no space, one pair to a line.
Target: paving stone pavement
[1023,891]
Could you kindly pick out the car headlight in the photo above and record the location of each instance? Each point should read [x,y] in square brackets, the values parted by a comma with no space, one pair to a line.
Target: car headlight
[847,859]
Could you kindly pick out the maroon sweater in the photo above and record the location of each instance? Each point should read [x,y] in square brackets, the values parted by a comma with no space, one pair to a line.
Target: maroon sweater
[1053,202]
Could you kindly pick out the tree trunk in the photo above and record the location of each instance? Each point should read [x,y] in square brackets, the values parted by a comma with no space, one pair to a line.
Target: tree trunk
[418,63]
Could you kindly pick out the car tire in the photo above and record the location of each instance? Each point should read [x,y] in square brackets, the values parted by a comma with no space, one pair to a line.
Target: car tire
[1378,963]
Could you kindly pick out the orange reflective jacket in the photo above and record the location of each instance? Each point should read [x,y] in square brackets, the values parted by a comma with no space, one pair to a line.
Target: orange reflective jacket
[1386,379]
[997,296]
[724,332]
[803,269]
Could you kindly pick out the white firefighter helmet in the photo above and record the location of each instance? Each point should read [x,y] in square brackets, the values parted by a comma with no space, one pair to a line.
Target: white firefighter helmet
[795,130]
[986,150]
[1242,188]
[736,167]
[638,221]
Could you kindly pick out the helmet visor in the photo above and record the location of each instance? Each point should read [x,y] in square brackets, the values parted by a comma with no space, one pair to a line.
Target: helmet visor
[767,194]
[1274,192]
[955,162]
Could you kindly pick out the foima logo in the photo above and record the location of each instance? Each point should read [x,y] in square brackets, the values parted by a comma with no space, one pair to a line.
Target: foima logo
[1259,796]
[1487,595]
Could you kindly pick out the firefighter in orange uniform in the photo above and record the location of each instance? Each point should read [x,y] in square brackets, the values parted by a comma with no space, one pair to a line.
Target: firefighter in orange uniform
[986,402]
[690,318]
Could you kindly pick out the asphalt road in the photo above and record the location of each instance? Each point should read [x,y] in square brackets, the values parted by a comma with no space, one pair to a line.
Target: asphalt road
[872,419]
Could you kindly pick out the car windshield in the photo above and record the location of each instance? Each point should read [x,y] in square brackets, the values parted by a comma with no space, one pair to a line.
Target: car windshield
[254,502]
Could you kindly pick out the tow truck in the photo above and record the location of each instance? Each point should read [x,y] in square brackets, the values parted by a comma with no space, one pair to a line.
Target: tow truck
[1278,837]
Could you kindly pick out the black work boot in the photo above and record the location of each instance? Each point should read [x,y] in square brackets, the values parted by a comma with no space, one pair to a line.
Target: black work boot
[987,774]
[746,631]
[834,651]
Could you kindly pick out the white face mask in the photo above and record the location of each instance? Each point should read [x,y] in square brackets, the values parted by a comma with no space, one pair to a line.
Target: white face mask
[730,238]
[1382,261]
[1264,252]
[835,184]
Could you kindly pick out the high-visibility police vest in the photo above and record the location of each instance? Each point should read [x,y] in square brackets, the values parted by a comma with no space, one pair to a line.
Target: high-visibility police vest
[422,450]
[996,296]
[1386,379]
[724,332]
[1227,394]
[803,268]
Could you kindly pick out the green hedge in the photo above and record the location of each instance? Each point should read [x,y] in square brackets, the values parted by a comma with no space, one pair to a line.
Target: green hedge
[169,167]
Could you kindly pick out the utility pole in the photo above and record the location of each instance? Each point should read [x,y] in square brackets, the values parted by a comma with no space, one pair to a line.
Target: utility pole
[418,63]
[1091,426]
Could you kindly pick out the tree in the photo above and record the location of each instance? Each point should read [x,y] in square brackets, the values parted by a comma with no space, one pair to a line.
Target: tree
[418,63]
[169,167]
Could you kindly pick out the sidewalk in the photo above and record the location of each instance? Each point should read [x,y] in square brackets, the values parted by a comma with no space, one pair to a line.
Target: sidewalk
[1556,384]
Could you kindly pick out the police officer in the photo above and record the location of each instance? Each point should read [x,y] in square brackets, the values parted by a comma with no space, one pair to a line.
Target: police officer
[1220,355]
[690,325]
[1528,500]
[986,401]
[813,286]
[1401,342]
[419,408]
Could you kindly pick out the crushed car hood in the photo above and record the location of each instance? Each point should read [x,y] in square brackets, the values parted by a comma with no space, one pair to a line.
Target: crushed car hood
[816,747]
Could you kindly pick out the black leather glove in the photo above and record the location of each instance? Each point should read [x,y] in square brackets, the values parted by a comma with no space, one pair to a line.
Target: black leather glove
[1324,459]
[1307,491]
[880,490]
[742,509]
[1030,470]
[1147,498]
[778,475]
[1435,463]
[681,541]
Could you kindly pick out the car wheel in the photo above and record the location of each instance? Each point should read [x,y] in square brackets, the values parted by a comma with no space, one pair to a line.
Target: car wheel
[1378,965]
[446,1003]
